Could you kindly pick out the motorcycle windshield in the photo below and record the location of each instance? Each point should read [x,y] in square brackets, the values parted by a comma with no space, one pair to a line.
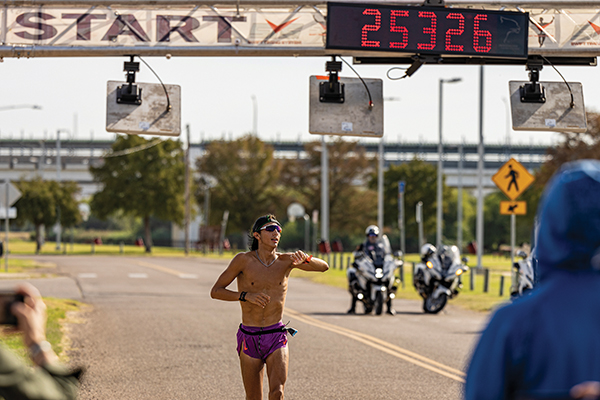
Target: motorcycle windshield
[454,255]
[386,244]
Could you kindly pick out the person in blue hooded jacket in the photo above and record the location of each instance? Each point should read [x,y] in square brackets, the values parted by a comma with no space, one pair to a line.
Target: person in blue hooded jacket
[547,345]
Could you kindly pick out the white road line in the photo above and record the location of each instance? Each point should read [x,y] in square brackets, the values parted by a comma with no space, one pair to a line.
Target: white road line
[87,275]
[138,275]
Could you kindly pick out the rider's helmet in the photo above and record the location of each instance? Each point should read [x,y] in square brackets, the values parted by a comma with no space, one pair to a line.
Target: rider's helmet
[372,230]
[427,250]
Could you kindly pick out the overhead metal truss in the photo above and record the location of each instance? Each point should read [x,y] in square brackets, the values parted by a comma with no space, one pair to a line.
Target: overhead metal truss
[78,28]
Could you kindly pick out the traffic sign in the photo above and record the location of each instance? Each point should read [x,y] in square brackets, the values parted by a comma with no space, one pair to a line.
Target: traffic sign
[513,178]
[513,207]
[13,194]
[401,186]
[12,213]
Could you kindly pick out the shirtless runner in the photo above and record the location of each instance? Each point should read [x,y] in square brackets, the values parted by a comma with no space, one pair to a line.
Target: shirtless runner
[262,280]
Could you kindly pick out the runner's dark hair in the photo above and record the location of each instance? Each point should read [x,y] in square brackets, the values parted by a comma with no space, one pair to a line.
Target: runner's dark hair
[260,222]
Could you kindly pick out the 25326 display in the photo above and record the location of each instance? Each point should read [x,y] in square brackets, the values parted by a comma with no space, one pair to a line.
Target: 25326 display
[427,30]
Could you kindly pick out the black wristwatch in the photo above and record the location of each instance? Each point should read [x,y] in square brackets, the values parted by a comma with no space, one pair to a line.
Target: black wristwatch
[243,296]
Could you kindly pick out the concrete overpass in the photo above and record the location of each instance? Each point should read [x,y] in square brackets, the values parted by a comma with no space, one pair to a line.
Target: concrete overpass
[25,158]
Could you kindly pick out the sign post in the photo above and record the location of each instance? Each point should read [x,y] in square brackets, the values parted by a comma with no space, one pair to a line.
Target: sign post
[512,179]
[9,194]
[401,186]
[419,218]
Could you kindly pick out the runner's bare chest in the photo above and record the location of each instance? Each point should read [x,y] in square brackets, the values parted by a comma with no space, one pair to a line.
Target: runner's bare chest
[258,277]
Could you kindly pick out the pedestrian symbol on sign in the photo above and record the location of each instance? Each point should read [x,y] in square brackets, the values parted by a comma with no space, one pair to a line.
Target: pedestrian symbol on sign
[513,178]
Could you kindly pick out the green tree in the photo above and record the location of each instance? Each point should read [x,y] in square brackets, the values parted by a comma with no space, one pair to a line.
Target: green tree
[497,226]
[573,146]
[246,173]
[142,179]
[352,207]
[40,200]
[469,208]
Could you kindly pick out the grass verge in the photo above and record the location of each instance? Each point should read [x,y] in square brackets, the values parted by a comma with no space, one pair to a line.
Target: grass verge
[30,267]
[60,312]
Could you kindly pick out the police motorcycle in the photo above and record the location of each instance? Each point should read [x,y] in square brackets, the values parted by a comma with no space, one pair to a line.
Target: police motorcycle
[437,277]
[525,275]
[371,278]
[524,270]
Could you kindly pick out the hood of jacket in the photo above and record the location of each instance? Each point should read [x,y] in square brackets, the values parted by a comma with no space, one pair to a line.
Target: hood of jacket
[569,217]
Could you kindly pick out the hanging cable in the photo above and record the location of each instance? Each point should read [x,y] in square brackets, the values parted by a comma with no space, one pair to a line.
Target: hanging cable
[396,79]
[161,82]
[563,78]
[363,82]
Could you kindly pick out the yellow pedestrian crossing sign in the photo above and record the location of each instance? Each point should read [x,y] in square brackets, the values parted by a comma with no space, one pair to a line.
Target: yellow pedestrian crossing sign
[513,178]
[513,207]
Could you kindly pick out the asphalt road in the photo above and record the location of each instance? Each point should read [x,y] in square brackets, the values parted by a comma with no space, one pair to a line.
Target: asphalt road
[153,332]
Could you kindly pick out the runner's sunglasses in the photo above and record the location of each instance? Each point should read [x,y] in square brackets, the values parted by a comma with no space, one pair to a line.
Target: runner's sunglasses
[271,228]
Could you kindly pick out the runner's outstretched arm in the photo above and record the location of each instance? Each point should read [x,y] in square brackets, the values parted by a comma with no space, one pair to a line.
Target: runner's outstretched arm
[305,262]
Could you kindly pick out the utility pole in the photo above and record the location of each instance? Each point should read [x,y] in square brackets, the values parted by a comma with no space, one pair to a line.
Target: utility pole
[380,187]
[480,151]
[186,224]
[58,168]
[324,191]
[401,187]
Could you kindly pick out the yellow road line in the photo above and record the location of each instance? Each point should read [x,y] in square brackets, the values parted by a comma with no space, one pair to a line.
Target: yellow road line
[381,345]
[159,268]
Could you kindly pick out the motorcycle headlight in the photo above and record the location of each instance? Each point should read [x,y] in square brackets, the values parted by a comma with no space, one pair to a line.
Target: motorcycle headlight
[429,264]
[379,273]
[459,272]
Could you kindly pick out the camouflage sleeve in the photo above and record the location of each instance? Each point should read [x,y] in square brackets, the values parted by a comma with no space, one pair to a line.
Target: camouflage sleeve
[21,382]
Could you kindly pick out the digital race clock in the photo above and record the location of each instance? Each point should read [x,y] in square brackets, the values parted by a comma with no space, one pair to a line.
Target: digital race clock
[426,30]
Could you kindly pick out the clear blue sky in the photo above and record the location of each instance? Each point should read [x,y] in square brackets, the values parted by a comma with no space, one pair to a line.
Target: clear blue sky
[217,97]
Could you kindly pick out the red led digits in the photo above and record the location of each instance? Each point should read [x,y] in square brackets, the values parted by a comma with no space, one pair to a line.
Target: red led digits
[399,29]
[478,33]
[455,32]
[378,27]
[371,28]
[430,31]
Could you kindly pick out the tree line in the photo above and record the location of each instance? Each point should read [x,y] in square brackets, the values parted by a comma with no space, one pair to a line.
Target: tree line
[143,178]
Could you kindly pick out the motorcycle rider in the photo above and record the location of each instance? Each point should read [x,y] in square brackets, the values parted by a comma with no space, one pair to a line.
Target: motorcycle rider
[427,250]
[371,247]
[444,256]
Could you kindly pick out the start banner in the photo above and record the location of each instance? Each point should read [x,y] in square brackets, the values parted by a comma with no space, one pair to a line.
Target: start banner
[84,29]
[199,26]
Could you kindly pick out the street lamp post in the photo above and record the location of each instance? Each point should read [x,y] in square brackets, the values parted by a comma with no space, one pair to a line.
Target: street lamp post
[380,185]
[58,168]
[254,115]
[480,166]
[439,169]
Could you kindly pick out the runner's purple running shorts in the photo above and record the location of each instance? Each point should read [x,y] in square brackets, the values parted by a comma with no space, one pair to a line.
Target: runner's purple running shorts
[261,345]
